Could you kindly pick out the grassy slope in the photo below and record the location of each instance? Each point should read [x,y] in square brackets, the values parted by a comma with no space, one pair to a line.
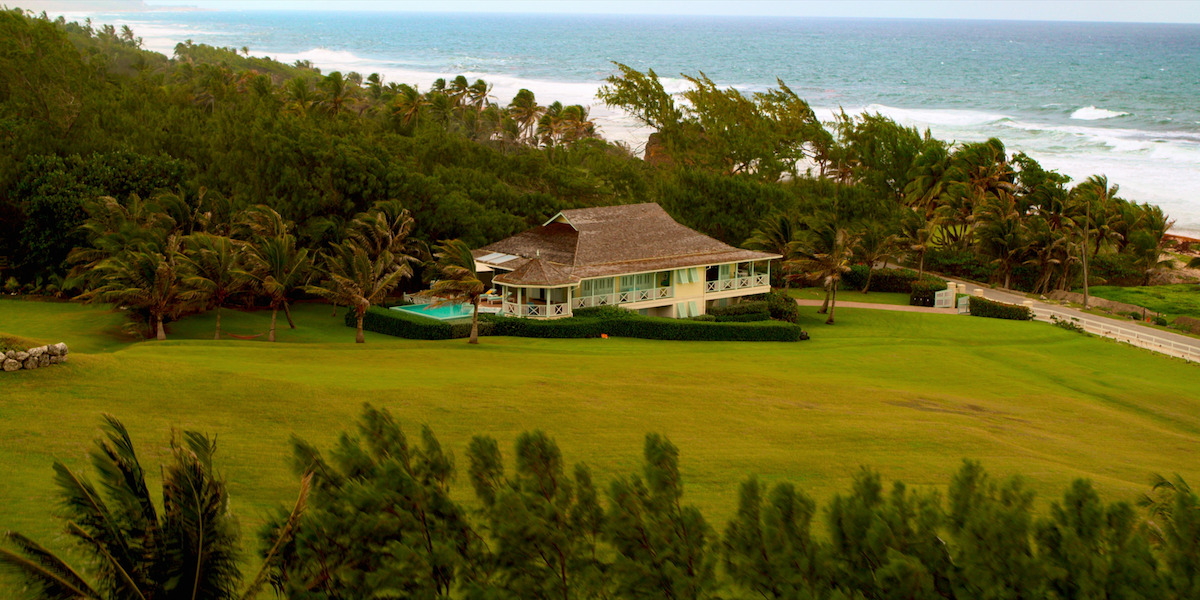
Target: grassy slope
[909,394]
[1172,300]
[814,293]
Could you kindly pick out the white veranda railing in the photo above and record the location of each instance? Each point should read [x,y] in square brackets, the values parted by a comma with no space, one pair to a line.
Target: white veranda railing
[737,283]
[656,293]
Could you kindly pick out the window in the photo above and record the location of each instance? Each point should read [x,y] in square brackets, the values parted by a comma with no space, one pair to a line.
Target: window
[596,287]
[641,281]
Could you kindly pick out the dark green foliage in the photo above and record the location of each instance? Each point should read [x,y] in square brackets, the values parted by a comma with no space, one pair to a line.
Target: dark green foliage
[755,310]
[664,548]
[982,307]
[923,291]
[1114,269]
[545,527]
[380,520]
[768,548]
[782,306]
[885,280]
[963,264]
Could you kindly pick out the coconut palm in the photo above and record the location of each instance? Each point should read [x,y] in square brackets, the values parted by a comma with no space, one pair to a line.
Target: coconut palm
[278,268]
[927,177]
[337,93]
[212,272]
[385,228]
[143,279]
[186,549]
[826,251]
[458,281]
[407,104]
[353,278]
[776,234]
[916,236]
[1000,236]
[526,112]
[299,96]
[875,244]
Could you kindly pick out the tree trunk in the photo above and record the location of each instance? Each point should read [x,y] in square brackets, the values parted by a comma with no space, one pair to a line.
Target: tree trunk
[832,305]
[867,285]
[271,333]
[475,323]
[218,334]
[921,267]
[287,312]
[825,305]
[1007,279]
[161,333]
[358,338]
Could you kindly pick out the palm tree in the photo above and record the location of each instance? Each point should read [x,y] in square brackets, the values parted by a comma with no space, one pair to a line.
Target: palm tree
[299,95]
[356,280]
[186,549]
[278,268]
[875,244]
[478,94]
[212,271]
[338,91]
[1001,236]
[407,104]
[144,279]
[385,228]
[826,251]
[927,177]
[916,235]
[526,112]
[459,282]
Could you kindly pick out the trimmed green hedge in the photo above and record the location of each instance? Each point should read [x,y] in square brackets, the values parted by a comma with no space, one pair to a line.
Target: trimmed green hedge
[755,310]
[401,324]
[982,307]
[587,323]
[885,280]
[923,291]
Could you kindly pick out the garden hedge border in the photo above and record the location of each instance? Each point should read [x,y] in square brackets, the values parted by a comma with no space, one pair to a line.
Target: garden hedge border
[982,307]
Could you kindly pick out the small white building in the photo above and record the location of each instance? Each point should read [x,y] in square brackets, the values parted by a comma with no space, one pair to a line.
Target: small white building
[634,256]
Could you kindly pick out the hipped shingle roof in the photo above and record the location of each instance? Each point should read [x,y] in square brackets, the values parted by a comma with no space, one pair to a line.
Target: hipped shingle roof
[611,240]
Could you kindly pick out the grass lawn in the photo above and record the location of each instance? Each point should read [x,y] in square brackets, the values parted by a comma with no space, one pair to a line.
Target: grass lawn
[1171,300]
[816,293]
[908,394]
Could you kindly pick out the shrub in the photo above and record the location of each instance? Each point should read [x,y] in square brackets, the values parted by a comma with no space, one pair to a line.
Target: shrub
[1071,324]
[401,324]
[982,307]
[1159,320]
[604,312]
[756,310]
[923,291]
[884,280]
[1114,269]
[710,318]
[959,263]
[782,307]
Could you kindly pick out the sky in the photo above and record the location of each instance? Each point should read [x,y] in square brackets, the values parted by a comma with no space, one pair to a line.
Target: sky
[1154,11]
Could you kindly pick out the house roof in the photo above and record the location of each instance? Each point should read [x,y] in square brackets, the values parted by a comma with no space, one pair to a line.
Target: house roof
[610,240]
[537,272]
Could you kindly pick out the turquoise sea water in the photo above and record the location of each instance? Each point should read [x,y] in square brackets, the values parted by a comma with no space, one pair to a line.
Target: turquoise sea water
[1083,98]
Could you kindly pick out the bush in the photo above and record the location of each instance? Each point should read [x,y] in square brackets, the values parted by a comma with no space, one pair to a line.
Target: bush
[401,324]
[782,306]
[1159,320]
[923,291]
[884,280]
[982,307]
[1071,324]
[959,263]
[756,310]
[1114,269]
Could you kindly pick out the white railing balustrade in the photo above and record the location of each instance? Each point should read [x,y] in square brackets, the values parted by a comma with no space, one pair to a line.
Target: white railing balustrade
[737,283]
[623,297]
[1141,339]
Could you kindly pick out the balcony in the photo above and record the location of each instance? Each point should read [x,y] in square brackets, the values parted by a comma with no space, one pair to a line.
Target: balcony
[627,297]
[536,310]
[738,283]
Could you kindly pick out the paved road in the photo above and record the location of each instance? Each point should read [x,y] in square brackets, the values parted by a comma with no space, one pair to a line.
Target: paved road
[1124,330]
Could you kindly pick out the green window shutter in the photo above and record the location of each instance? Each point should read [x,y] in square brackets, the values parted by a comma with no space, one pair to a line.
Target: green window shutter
[680,310]
[692,310]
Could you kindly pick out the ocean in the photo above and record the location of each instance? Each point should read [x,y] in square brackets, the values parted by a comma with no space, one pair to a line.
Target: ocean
[1122,100]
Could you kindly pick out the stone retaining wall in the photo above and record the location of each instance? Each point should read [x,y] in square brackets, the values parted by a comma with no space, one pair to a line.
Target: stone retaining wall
[33,358]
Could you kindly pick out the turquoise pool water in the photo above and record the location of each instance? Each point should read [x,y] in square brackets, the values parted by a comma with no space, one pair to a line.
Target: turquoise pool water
[445,312]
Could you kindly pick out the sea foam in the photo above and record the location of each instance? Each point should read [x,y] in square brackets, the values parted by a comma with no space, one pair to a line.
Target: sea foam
[1091,113]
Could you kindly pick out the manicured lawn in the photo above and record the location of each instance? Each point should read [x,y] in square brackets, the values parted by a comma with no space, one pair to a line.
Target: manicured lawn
[909,394]
[816,293]
[1172,300]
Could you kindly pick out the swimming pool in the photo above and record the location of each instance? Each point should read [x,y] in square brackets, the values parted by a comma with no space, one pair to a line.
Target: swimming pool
[444,312]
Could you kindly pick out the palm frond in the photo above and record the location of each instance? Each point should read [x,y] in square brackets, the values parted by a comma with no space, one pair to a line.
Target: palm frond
[47,576]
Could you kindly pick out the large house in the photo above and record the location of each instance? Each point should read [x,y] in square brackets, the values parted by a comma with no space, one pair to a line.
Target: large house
[634,256]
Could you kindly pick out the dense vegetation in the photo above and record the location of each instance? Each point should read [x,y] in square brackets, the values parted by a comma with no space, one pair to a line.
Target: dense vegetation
[97,134]
[540,528]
